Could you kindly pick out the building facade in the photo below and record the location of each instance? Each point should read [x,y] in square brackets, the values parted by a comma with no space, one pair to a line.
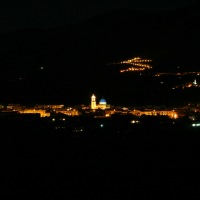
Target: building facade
[102,103]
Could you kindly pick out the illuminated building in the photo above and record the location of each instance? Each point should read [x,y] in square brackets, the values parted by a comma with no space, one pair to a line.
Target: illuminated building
[170,113]
[48,106]
[93,102]
[67,111]
[14,107]
[42,113]
[102,103]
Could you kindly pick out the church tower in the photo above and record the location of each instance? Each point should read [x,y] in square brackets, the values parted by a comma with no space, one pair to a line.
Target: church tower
[93,102]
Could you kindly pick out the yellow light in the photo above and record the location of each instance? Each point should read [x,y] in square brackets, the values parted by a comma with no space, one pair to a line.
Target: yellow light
[175,116]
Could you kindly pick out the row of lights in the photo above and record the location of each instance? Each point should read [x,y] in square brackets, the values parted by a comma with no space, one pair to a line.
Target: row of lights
[132,69]
[196,125]
[63,119]
[138,62]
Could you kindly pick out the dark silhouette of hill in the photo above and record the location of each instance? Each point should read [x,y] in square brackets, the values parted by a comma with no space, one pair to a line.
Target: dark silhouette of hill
[76,56]
[109,37]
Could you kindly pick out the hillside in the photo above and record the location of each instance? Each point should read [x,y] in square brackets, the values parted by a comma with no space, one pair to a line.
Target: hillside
[74,58]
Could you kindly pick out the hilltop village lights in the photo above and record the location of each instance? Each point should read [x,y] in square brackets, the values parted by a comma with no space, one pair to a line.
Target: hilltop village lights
[137,64]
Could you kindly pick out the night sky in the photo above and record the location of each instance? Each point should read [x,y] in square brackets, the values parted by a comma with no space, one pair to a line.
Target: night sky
[21,14]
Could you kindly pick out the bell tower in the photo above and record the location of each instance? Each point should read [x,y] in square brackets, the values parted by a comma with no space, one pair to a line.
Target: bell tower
[93,102]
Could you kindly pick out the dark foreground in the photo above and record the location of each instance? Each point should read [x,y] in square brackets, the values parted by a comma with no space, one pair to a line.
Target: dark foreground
[152,162]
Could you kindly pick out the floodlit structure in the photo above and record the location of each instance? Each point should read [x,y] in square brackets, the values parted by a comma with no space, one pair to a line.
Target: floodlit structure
[170,113]
[42,113]
[102,103]
[67,111]
[93,102]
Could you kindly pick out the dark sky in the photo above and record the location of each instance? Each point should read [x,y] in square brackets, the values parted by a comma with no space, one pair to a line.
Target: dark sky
[18,14]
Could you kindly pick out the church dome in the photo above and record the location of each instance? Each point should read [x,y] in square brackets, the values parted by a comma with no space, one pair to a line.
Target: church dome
[102,101]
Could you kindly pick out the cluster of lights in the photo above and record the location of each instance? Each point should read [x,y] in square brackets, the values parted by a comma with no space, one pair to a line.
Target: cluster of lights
[138,64]
[134,122]
[59,127]
[132,69]
[135,60]
[77,130]
[177,74]
[62,119]
[196,125]
[187,85]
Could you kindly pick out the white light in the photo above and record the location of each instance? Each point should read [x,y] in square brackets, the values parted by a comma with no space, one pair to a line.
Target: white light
[194,125]
[134,122]
[101,125]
